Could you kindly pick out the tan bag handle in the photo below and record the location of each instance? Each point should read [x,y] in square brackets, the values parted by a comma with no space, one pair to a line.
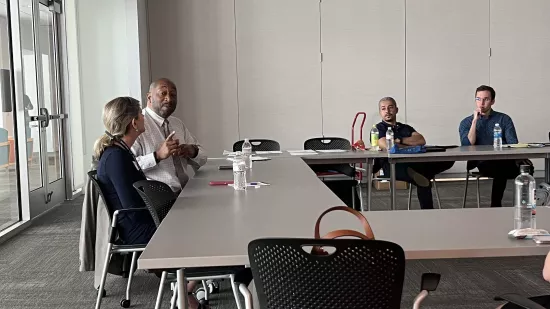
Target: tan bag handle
[368,234]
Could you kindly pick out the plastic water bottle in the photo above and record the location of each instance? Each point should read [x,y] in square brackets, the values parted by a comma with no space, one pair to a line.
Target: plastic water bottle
[524,199]
[239,172]
[389,139]
[374,137]
[497,137]
[247,153]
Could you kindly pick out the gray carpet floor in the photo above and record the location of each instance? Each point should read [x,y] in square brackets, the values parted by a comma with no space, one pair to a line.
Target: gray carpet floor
[39,268]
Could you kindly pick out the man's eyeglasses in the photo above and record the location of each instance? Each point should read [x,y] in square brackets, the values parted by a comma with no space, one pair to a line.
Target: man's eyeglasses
[486,100]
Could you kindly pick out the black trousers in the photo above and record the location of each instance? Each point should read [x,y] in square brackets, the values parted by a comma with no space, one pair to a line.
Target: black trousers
[428,170]
[344,189]
[500,171]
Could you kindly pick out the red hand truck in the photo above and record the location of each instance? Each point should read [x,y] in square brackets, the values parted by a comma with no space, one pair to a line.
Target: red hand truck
[359,144]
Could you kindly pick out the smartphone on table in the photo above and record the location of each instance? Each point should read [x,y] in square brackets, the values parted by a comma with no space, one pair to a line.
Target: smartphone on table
[541,239]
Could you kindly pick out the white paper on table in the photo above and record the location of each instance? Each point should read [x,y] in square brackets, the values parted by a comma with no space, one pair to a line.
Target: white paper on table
[257,158]
[302,152]
[332,150]
[269,152]
[254,158]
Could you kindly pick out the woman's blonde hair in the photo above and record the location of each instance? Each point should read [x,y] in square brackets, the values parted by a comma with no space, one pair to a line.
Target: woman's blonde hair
[117,115]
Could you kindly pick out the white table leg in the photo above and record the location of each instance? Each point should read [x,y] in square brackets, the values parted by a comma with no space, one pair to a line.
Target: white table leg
[182,289]
[392,186]
[370,163]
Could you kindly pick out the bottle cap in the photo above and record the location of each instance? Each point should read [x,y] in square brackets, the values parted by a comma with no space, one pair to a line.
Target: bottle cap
[525,169]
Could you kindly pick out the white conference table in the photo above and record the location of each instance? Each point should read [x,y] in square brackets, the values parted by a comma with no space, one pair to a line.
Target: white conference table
[463,153]
[467,153]
[212,225]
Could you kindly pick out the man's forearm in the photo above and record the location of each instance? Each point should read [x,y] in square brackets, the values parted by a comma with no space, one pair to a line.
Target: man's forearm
[417,140]
[472,133]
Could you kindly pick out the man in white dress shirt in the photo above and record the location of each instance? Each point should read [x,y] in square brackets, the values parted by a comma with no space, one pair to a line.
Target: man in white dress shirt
[167,149]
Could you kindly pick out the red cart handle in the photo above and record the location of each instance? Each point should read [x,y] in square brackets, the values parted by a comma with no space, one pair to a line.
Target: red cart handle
[362,125]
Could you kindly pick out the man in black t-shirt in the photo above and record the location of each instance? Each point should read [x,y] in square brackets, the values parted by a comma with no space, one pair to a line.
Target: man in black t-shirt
[418,174]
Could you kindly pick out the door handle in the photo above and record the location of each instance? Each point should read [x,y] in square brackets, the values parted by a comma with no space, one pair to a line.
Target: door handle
[44,117]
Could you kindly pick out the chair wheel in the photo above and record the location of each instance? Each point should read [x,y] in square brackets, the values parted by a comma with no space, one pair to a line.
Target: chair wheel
[125,303]
[213,287]
[104,292]
[200,294]
[203,303]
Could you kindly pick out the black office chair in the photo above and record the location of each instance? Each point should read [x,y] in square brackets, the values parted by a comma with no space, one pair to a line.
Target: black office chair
[259,145]
[324,170]
[355,274]
[516,301]
[116,246]
[159,198]
[327,143]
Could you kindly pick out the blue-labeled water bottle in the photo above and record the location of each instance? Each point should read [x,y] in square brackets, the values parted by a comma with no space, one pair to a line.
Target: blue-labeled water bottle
[239,172]
[389,139]
[247,153]
[524,200]
[497,137]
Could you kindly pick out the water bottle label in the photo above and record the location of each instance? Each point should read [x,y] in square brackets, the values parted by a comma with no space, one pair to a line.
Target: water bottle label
[374,139]
[497,134]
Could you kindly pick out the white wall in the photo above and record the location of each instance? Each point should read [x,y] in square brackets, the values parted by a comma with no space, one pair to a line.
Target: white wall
[252,68]
[363,45]
[520,64]
[193,43]
[278,67]
[104,34]
[447,59]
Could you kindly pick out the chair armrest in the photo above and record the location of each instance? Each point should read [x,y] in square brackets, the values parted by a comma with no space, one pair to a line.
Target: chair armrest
[112,232]
[429,283]
[519,300]
[130,209]
[246,295]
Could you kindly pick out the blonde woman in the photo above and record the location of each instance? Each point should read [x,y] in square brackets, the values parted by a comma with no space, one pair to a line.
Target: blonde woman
[117,168]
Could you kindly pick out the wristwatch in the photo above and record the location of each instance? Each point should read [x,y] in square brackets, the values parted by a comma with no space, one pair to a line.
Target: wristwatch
[157,160]
[196,150]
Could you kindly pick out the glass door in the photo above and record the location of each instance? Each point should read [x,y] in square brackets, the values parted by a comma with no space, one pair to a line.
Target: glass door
[44,121]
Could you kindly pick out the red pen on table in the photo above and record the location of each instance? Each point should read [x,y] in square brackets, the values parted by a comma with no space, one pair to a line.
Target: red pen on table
[221,183]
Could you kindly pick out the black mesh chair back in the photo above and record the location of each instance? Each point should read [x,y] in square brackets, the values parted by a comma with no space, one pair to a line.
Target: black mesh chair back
[358,274]
[93,177]
[327,143]
[259,145]
[158,198]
